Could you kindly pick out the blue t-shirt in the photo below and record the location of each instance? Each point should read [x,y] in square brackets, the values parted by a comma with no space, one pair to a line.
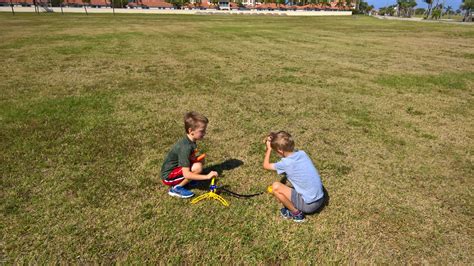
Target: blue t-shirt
[303,175]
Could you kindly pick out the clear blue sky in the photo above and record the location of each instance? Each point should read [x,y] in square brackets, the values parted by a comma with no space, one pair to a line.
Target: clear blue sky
[381,3]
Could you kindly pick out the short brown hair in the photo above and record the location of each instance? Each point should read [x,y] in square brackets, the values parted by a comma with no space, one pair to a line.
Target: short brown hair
[282,140]
[192,120]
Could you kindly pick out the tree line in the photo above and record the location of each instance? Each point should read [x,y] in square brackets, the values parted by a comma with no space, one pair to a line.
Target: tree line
[435,9]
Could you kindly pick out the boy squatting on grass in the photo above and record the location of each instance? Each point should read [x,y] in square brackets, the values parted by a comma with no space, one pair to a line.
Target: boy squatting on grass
[181,165]
[307,196]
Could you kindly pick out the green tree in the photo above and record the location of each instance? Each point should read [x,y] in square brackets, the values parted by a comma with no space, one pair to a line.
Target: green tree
[436,14]
[411,6]
[430,8]
[363,7]
[58,3]
[279,2]
[349,3]
[389,11]
[238,2]
[405,7]
[123,3]
[420,11]
[448,11]
[467,6]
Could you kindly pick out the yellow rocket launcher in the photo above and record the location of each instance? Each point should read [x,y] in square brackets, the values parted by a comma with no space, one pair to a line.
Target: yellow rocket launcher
[211,195]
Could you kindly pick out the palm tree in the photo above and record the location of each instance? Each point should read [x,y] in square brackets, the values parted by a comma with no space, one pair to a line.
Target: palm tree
[36,7]
[467,5]
[61,2]
[111,3]
[11,5]
[436,13]
[430,9]
[84,4]
[406,6]
[448,11]
[349,3]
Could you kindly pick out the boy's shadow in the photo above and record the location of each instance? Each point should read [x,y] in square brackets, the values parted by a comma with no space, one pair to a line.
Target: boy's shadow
[219,168]
[284,180]
[325,202]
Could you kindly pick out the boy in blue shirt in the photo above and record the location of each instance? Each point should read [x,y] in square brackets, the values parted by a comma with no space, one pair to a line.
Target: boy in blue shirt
[307,196]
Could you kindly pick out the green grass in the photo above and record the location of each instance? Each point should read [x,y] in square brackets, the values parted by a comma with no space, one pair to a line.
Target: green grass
[90,105]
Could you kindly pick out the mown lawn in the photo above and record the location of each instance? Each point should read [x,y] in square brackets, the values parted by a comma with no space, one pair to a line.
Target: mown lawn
[90,105]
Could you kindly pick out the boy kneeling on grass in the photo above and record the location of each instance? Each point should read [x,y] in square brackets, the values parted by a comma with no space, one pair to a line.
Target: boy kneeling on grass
[181,164]
[307,196]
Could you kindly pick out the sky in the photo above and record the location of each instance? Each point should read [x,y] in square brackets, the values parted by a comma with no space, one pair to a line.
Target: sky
[381,3]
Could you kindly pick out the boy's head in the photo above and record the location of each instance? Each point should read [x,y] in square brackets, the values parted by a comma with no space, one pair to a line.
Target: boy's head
[195,124]
[282,141]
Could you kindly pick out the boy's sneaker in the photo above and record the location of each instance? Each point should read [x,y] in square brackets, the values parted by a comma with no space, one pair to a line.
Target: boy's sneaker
[181,192]
[287,214]
[299,218]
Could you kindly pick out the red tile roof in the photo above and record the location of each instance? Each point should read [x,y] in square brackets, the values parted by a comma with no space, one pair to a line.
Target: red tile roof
[150,3]
[73,2]
[99,3]
[29,2]
[270,6]
[200,5]
[156,3]
[234,5]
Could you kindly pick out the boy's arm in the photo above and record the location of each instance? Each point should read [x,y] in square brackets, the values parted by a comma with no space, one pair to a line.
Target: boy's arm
[185,163]
[266,161]
[193,176]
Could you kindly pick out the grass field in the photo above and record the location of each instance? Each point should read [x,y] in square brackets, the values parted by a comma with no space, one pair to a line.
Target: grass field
[90,105]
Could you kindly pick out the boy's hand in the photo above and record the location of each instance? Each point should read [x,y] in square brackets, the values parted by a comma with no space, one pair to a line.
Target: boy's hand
[266,161]
[212,174]
[268,141]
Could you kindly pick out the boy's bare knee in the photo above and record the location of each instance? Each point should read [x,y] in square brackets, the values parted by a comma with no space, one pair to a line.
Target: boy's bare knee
[197,168]
[276,186]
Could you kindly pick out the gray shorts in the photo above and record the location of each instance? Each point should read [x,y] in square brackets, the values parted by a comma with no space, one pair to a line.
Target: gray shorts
[299,203]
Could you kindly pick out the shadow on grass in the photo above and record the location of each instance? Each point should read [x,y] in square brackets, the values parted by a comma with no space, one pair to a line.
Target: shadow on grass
[224,166]
[219,168]
[325,202]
